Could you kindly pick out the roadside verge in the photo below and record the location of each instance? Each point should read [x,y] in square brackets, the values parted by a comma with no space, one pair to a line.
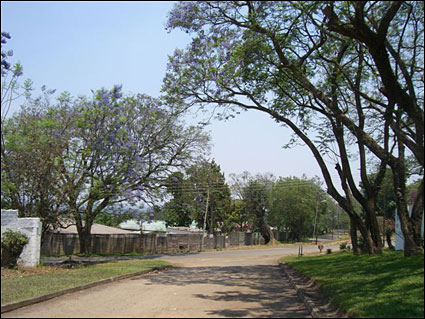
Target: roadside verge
[317,303]
[15,305]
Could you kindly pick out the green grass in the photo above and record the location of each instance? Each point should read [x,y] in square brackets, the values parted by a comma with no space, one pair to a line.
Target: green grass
[382,286]
[100,255]
[17,289]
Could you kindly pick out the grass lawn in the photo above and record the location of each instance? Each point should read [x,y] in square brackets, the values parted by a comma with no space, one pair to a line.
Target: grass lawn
[21,284]
[383,286]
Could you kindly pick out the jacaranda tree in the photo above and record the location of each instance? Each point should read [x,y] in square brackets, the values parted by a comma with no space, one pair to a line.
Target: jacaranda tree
[114,149]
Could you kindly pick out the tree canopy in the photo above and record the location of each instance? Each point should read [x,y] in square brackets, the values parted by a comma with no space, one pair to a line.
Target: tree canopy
[339,75]
[93,153]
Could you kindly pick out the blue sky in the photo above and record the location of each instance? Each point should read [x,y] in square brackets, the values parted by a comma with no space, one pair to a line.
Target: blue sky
[83,46]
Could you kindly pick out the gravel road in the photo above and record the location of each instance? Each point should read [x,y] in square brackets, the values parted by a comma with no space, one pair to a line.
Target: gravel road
[231,283]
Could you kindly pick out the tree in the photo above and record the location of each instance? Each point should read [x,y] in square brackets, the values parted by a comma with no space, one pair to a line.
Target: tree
[207,196]
[394,39]
[244,217]
[123,149]
[239,218]
[176,211]
[33,143]
[386,202]
[27,150]
[257,204]
[280,58]
[111,149]
[294,203]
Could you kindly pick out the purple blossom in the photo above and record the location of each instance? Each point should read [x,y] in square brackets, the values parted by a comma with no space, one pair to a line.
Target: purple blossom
[17,72]
[116,91]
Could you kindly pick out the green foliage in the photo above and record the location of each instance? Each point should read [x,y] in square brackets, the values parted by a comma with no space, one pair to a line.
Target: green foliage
[256,196]
[208,185]
[342,92]
[176,212]
[293,204]
[385,199]
[34,141]
[380,286]
[80,156]
[203,187]
[239,217]
[12,244]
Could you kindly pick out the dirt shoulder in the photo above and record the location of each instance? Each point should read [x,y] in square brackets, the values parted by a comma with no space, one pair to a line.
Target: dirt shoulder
[216,284]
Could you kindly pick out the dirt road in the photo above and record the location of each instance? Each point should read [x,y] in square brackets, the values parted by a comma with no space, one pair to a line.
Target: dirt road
[238,283]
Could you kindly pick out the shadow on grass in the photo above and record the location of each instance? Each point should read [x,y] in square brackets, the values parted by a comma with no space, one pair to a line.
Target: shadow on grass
[262,289]
[82,261]
[382,286]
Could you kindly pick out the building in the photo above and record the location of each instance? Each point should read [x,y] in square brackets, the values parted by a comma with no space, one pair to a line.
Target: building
[96,229]
[399,239]
[155,226]
[158,226]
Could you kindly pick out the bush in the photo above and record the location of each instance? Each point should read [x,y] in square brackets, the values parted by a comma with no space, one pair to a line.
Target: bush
[12,244]
[343,246]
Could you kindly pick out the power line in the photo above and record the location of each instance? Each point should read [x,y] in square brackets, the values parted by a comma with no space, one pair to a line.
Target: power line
[219,187]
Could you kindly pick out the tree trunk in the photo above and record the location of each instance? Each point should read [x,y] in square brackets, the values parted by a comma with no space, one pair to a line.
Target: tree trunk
[373,225]
[411,246]
[267,233]
[353,235]
[410,227]
[85,242]
[388,237]
[368,244]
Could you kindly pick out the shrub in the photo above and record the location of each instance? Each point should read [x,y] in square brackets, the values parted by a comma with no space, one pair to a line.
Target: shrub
[343,246]
[12,244]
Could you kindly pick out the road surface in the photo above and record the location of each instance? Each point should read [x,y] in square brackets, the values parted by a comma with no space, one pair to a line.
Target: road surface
[231,283]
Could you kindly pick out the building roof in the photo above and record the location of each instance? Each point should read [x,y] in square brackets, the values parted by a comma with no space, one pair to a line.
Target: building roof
[131,224]
[183,230]
[96,229]
[150,226]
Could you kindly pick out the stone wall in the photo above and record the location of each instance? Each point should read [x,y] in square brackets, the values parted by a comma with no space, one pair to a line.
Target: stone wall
[67,244]
[30,227]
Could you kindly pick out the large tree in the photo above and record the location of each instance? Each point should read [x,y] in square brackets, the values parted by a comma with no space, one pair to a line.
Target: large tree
[288,59]
[177,210]
[295,205]
[27,153]
[111,149]
[256,196]
[207,196]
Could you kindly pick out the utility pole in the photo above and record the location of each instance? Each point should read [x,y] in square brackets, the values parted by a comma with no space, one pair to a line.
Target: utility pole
[205,218]
[315,218]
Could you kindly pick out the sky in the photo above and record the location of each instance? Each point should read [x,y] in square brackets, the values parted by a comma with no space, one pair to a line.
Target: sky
[80,46]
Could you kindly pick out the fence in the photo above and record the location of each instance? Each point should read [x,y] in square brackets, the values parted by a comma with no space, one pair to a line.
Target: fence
[67,244]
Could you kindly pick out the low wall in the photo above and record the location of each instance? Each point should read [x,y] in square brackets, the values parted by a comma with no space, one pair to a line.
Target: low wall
[30,227]
[67,244]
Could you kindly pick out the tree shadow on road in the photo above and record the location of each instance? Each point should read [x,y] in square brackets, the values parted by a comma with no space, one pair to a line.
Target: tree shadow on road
[265,287]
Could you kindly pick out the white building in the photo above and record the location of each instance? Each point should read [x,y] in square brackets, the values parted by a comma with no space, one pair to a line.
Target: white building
[399,239]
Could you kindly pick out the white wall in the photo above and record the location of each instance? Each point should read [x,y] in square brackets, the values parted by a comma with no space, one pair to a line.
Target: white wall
[30,227]
[399,239]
